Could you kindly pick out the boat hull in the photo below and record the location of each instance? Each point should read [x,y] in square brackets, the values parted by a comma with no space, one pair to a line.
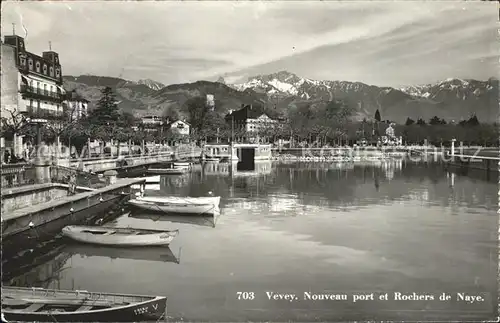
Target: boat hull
[152,309]
[176,208]
[142,240]
[168,171]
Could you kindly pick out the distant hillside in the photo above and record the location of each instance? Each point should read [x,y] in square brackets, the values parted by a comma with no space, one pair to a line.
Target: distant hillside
[450,99]
[141,99]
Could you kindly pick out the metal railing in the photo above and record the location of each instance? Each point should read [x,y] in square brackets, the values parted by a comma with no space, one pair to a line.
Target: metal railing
[15,175]
[41,92]
[67,175]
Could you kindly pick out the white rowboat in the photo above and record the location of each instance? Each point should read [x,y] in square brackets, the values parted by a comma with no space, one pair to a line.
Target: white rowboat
[153,179]
[119,236]
[168,171]
[181,165]
[182,205]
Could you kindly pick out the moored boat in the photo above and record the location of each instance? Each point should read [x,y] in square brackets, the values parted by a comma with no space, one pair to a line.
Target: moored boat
[182,205]
[181,165]
[147,187]
[113,236]
[168,171]
[44,305]
[212,160]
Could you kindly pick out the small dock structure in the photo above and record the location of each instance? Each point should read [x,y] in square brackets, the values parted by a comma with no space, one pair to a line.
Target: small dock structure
[238,152]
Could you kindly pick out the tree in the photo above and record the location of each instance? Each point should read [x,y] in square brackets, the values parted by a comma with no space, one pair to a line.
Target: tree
[106,112]
[197,110]
[435,121]
[473,121]
[409,121]
[421,122]
[377,116]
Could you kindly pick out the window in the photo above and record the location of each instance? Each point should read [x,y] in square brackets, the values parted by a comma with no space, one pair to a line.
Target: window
[45,69]
[58,72]
[51,71]
[22,60]
[38,104]
[31,104]
[30,64]
[45,89]
[52,91]
[37,65]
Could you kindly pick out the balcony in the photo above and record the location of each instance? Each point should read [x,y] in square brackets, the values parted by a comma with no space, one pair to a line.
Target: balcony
[40,94]
[38,113]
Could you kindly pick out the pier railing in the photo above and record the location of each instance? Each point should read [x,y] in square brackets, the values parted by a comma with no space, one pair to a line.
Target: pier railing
[20,174]
[67,175]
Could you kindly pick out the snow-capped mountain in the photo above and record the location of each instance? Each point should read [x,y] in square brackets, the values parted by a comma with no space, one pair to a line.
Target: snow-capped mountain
[154,85]
[462,89]
[451,98]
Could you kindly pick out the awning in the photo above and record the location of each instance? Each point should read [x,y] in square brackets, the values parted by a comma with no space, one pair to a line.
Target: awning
[61,88]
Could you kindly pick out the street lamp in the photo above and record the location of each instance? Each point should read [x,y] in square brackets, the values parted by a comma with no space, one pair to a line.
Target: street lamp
[38,122]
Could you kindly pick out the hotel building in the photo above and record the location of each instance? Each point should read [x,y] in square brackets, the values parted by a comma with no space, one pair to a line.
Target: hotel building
[31,84]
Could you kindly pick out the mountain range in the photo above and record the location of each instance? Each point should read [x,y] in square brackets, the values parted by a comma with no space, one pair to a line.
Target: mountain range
[451,99]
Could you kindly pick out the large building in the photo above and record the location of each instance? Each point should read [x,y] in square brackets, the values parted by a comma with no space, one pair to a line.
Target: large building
[251,119]
[31,84]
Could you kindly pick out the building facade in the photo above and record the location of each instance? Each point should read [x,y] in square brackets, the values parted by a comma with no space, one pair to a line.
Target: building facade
[180,127]
[210,102]
[151,123]
[38,80]
[76,105]
[251,119]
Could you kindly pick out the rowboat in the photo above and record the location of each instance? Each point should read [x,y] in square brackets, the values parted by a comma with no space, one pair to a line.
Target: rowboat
[153,179]
[114,236]
[168,171]
[44,305]
[181,164]
[182,205]
[147,187]
[163,254]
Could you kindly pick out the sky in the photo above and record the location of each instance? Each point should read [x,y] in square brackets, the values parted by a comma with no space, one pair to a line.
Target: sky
[385,43]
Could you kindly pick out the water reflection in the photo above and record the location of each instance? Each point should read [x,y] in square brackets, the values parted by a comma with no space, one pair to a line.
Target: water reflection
[161,254]
[206,221]
[394,226]
[36,268]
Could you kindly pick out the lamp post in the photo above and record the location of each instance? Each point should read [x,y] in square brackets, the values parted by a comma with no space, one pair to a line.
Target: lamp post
[40,164]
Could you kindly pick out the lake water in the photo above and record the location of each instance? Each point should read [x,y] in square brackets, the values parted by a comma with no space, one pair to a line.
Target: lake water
[308,228]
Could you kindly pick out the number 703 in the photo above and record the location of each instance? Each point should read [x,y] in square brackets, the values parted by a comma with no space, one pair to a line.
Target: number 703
[245,295]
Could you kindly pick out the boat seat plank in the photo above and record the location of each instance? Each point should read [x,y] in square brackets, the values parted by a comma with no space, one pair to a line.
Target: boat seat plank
[84,308]
[33,307]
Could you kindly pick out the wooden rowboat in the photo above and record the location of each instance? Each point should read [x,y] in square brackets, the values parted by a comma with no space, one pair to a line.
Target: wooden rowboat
[182,205]
[168,171]
[147,187]
[181,164]
[44,305]
[153,179]
[112,236]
